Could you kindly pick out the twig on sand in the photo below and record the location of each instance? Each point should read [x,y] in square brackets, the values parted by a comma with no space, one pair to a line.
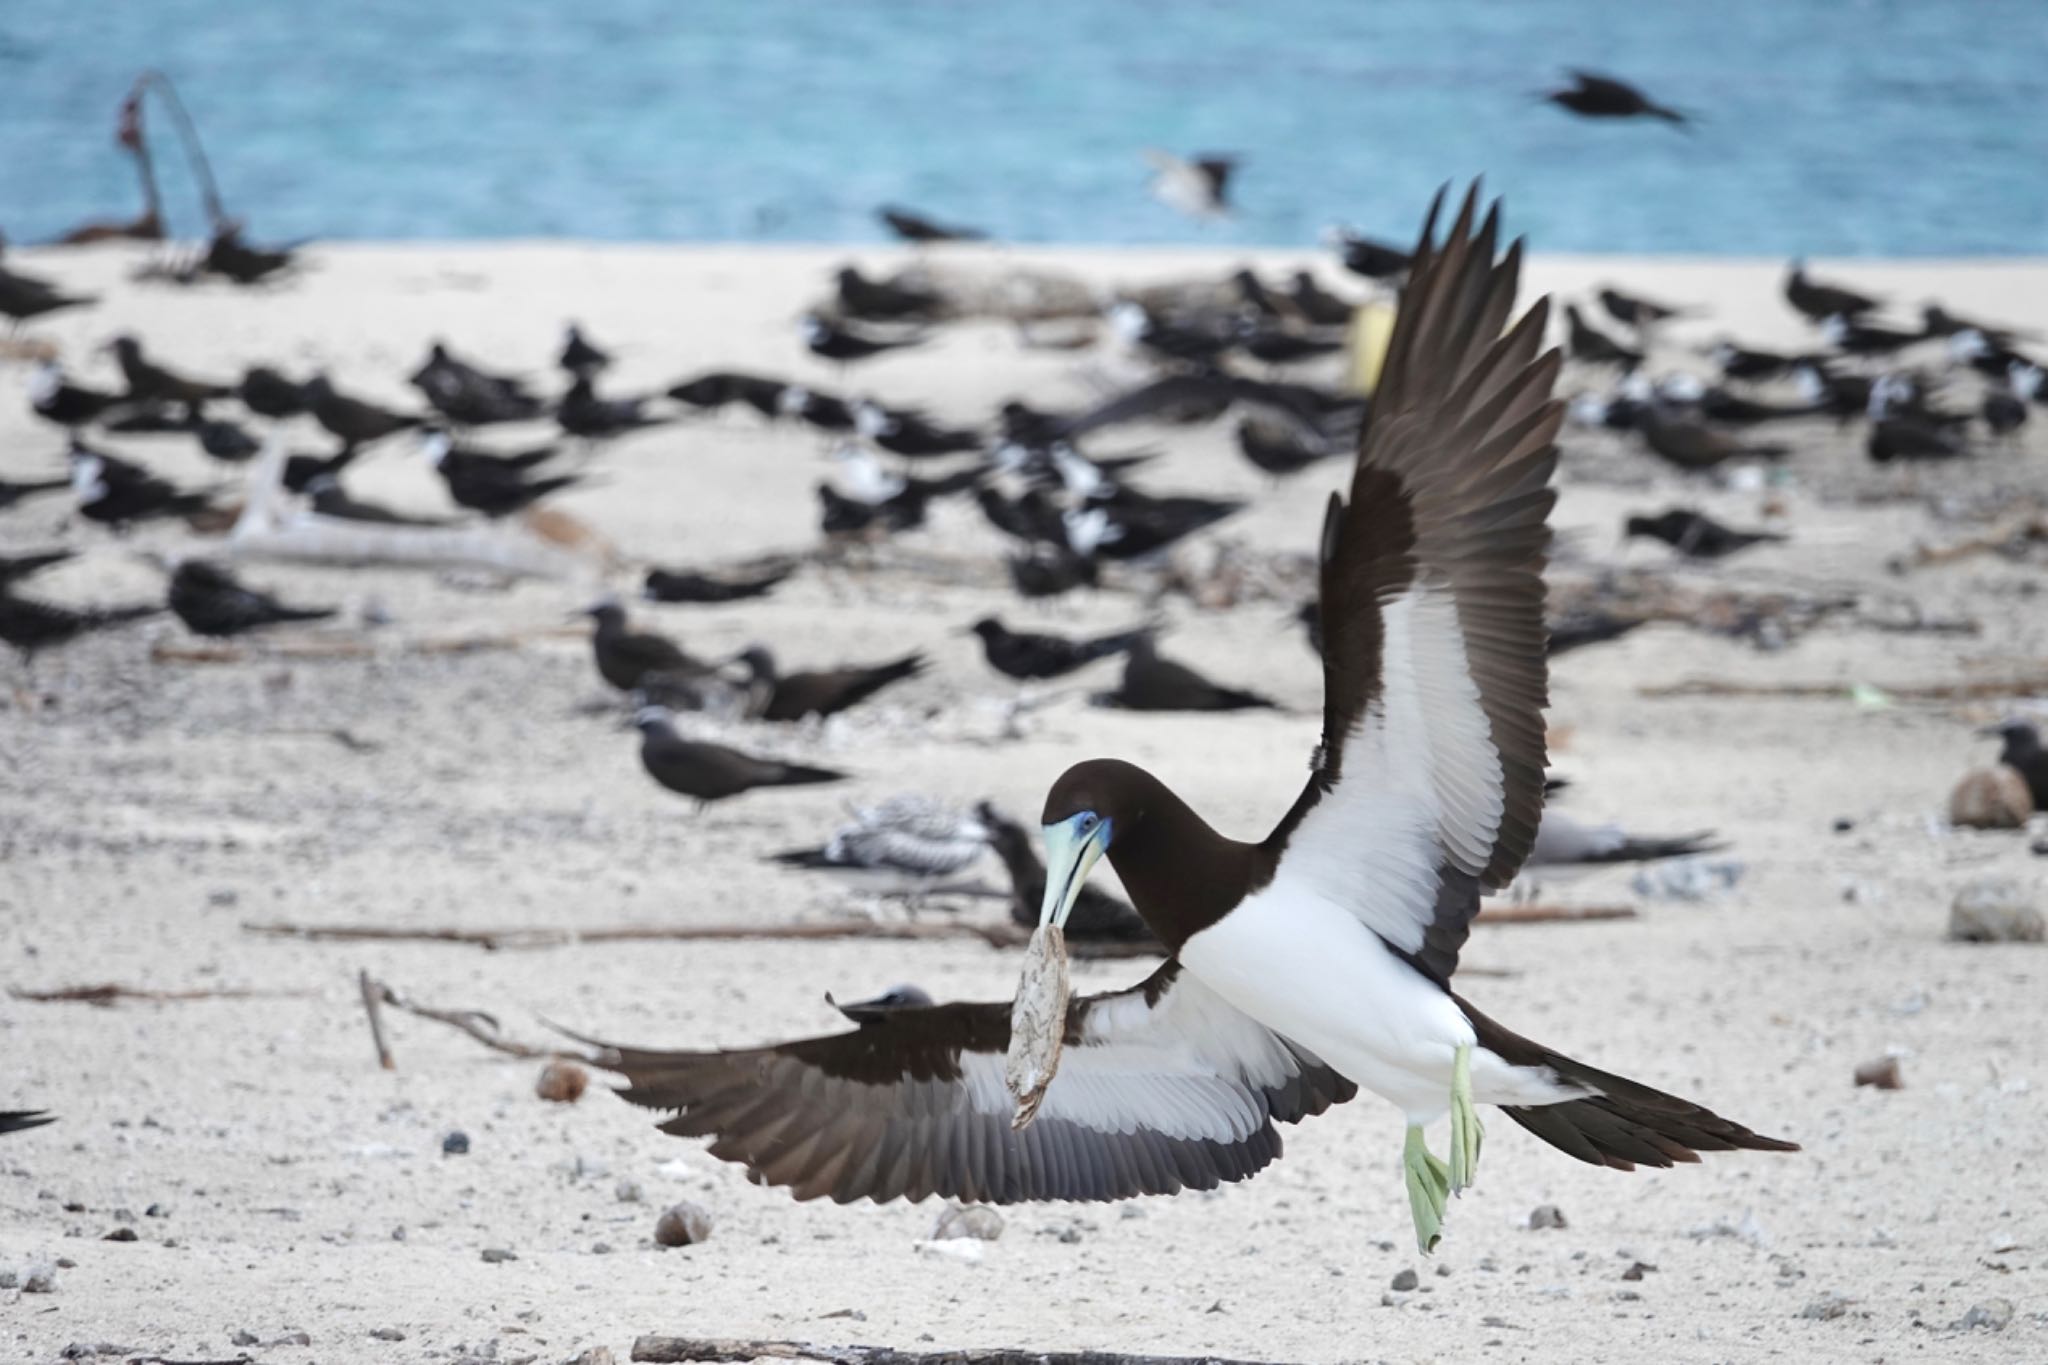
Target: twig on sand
[721,1349]
[478,1024]
[373,1005]
[1000,935]
[312,648]
[1553,914]
[1985,689]
[108,994]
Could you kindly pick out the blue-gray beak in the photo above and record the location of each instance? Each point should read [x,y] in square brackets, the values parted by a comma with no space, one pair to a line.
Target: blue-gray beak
[1072,848]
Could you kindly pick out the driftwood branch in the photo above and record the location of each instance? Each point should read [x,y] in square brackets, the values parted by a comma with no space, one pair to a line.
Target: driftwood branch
[315,648]
[1000,935]
[108,994]
[1985,689]
[478,1024]
[722,1349]
[1552,914]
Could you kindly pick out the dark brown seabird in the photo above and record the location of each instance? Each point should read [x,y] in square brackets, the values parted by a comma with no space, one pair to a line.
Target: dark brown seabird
[1319,959]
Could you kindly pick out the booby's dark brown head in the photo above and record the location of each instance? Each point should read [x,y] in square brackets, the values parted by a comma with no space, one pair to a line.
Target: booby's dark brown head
[1182,875]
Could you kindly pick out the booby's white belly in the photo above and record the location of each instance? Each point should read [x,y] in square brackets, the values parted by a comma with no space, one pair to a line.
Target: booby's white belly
[1308,969]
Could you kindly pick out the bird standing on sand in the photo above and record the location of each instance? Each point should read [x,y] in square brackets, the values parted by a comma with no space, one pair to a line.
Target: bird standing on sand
[1030,655]
[1562,841]
[352,421]
[1595,96]
[1589,345]
[56,399]
[115,492]
[582,413]
[1198,186]
[1823,301]
[712,772]
[268,393]
[915,227]
[625,657]
[1693,445]
[883,300]
[149,382]
[30,625]
[1697,535]
[1318,960]
[822,692]
[1366,256]
[26,296]
[1153,683]
[1639,313]
[326,496]
[210,602]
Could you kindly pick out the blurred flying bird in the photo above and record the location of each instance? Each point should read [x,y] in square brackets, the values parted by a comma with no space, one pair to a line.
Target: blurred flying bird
[1595,96]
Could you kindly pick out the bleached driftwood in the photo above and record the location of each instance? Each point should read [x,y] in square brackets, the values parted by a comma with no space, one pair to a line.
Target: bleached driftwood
[273,527]
[716,1349]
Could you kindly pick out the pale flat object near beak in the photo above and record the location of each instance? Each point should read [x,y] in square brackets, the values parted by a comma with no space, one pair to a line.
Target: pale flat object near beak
[1038,1022]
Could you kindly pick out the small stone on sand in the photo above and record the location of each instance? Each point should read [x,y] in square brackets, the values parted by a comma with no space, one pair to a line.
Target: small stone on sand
[967,1220]
[1546,1216]
[1996,910]
[1994,1314]
[562,1082]
[1882,1074]
[455,1144]
[498,1255]
[1826,1308]
[1991,798]
[682,1225]
[1404,1281]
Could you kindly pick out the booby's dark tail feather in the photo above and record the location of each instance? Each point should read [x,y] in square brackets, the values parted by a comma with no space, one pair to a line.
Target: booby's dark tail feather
[1626,1124]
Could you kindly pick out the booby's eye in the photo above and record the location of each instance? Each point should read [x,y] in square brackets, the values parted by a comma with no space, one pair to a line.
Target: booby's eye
[1087,823]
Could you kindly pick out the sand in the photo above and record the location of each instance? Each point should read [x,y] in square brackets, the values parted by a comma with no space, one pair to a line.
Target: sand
[149,810]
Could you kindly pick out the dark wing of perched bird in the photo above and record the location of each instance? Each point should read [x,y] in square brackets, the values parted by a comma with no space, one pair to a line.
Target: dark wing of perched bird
[1741,362]
[913,1104]
[14,568]
[824,692]
[225,441]
[1562,841]
[1050,571]
[228,256]
[149,382]
[1906,438]
[1589,345]
[883,300]
[1153,683]
[1098,916]
[13,490]
[497,493]
[1432,612]
[55,399]
[688,585]
[352,420]
[844,344]
[30,625]
[210,602]
[915,227]
[20,1120]
[24,296]
[1632,311]
[330,499]
[1031,654]
[1374,260]
[469,396]
[114,491]
[712,772]
[267,393]
[1279,447]
[582,413]
[1318,306]
[1140,525]
[1696,534]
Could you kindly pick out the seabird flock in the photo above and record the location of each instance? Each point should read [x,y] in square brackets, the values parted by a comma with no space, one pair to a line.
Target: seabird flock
[1298,969]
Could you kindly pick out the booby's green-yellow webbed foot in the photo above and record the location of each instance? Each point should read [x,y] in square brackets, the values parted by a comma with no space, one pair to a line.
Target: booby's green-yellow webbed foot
[1429,1189]
[1466,1132]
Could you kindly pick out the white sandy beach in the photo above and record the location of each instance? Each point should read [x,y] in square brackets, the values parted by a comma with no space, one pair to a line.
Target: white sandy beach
[149,810]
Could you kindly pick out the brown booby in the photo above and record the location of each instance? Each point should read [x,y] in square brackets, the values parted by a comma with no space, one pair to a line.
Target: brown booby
[1312,962]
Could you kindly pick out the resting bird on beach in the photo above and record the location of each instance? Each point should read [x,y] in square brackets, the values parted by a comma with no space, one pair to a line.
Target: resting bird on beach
[1364,256]
[209,601]
[1153,683]
[1632,311]
[2021,751]
[1029,655]
[1318,960]
[903,846]
[1697,535]
[883,300]
[824,692]
[116,492]
[1591,346]
[1562,841]
[56,399]
[915,227]
[149,382]
[30,625]
[351,420]
[711,772]
[845,345]
[690,585]
[1823,301]
[582,357]
[626,656]
[27,296]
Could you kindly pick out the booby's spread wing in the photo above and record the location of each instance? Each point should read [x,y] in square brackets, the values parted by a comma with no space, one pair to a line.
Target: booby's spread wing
[1162,1087]
[1429,781]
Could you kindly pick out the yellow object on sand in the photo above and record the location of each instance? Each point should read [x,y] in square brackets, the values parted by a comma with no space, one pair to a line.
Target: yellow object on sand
[1372,327]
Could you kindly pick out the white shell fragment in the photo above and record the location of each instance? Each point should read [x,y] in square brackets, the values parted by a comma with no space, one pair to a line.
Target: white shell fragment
[1038,1022]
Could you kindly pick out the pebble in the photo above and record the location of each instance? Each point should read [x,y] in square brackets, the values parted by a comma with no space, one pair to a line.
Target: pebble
[1995,1314]
[601,1248]
[1826,1308]
[596,1355]
[121,1235]
[39,1279]
[9,1280]
[977,1221]
[1991,798]
[562,1082]
[455,1144]
[1546,1216]
[498,1255]
[387,1334]
[1404,1281]
[681,1225]
[1882,1074]
[1637,1270]
[629,1192]
[244,1337]
[156,1211]
[1996,910]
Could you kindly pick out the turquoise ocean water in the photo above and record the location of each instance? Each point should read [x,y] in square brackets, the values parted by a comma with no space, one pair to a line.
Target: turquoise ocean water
[1876,127]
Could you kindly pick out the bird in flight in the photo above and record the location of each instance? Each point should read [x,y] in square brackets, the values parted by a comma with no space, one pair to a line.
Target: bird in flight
[1316,961]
